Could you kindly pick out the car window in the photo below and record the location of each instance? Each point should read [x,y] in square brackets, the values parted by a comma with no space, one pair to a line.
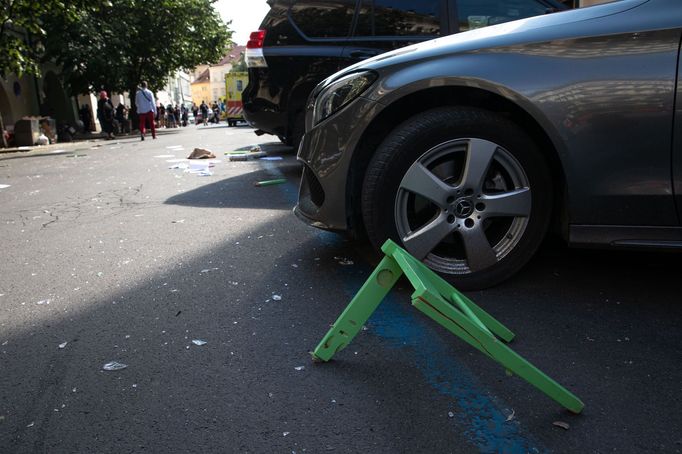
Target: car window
[323,19]
[480,13]
[399,18]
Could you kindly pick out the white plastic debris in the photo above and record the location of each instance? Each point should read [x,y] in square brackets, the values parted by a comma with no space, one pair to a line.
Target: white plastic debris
[563,425]
[4,186]
[299,367]
[344,261]
[284,434]
[62,345]
[511,416]
[114,365]
[42,302]
[451,414]
[199,342]
[277,297]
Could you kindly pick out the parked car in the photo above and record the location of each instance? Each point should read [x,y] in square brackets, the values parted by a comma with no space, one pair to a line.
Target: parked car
[467,148]
[300,42]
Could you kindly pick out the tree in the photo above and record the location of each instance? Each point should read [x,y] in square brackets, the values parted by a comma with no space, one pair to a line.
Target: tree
[22,35]
[136,40]
[240,66]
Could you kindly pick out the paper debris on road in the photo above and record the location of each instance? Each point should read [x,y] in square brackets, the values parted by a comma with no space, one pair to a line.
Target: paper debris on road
[62,345]
[42,302]
[113,365]
[299,367]
[5,186]
[451,414]
[199,342]
[201,153]
[277,297]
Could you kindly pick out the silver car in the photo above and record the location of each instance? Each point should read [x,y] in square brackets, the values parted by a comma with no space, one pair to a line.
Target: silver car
[467,149]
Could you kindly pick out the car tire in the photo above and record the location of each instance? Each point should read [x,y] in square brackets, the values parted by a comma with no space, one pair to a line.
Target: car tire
[464,190]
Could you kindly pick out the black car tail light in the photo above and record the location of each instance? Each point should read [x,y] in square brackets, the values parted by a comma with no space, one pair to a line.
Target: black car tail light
[254,50]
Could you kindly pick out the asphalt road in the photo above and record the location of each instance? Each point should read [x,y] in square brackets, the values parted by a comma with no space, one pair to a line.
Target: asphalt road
[112,256]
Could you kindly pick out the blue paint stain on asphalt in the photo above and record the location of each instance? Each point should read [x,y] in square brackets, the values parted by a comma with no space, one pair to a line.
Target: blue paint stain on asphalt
[396,323]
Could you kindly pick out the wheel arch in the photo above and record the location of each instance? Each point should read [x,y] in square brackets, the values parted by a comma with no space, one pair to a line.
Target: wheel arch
[455,96]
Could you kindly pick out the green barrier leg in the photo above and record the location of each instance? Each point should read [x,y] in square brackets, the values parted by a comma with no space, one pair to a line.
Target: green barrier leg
[359,310]
[457,322]
[448,307]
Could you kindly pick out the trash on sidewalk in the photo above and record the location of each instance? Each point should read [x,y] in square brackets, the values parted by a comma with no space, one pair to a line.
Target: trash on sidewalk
[5,186]
[270,182]
[62,345]
[299,367]
[201,153]
[277,297]
[199,342]
[113,365]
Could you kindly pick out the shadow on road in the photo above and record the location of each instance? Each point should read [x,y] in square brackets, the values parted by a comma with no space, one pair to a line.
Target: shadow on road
[588,318]
[240,192]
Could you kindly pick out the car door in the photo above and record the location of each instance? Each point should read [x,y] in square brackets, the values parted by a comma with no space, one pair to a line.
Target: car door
[677,142]
[383,25]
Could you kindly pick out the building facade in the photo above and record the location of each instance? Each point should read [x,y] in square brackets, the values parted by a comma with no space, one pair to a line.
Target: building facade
[208,81]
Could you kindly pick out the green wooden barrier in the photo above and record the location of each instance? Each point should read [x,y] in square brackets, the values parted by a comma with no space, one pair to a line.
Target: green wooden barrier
[447,306]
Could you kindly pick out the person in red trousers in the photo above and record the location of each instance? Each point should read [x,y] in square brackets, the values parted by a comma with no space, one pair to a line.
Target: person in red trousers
[146,109]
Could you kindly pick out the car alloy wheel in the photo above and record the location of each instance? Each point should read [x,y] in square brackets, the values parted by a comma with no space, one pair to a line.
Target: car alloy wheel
[463,206]
[463,189]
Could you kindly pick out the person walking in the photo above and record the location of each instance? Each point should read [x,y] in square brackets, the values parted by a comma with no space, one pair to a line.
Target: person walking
[195,112]
[146,109]
[204,112]
[105,114]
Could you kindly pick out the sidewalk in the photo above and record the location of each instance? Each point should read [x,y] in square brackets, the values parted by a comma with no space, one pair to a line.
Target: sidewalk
[81,139]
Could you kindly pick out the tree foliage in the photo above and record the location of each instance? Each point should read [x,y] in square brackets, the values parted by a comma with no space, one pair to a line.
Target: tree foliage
[22,36]
[240,66]
[134,40]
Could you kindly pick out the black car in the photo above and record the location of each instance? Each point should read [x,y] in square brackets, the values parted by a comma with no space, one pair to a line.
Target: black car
[301,42]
